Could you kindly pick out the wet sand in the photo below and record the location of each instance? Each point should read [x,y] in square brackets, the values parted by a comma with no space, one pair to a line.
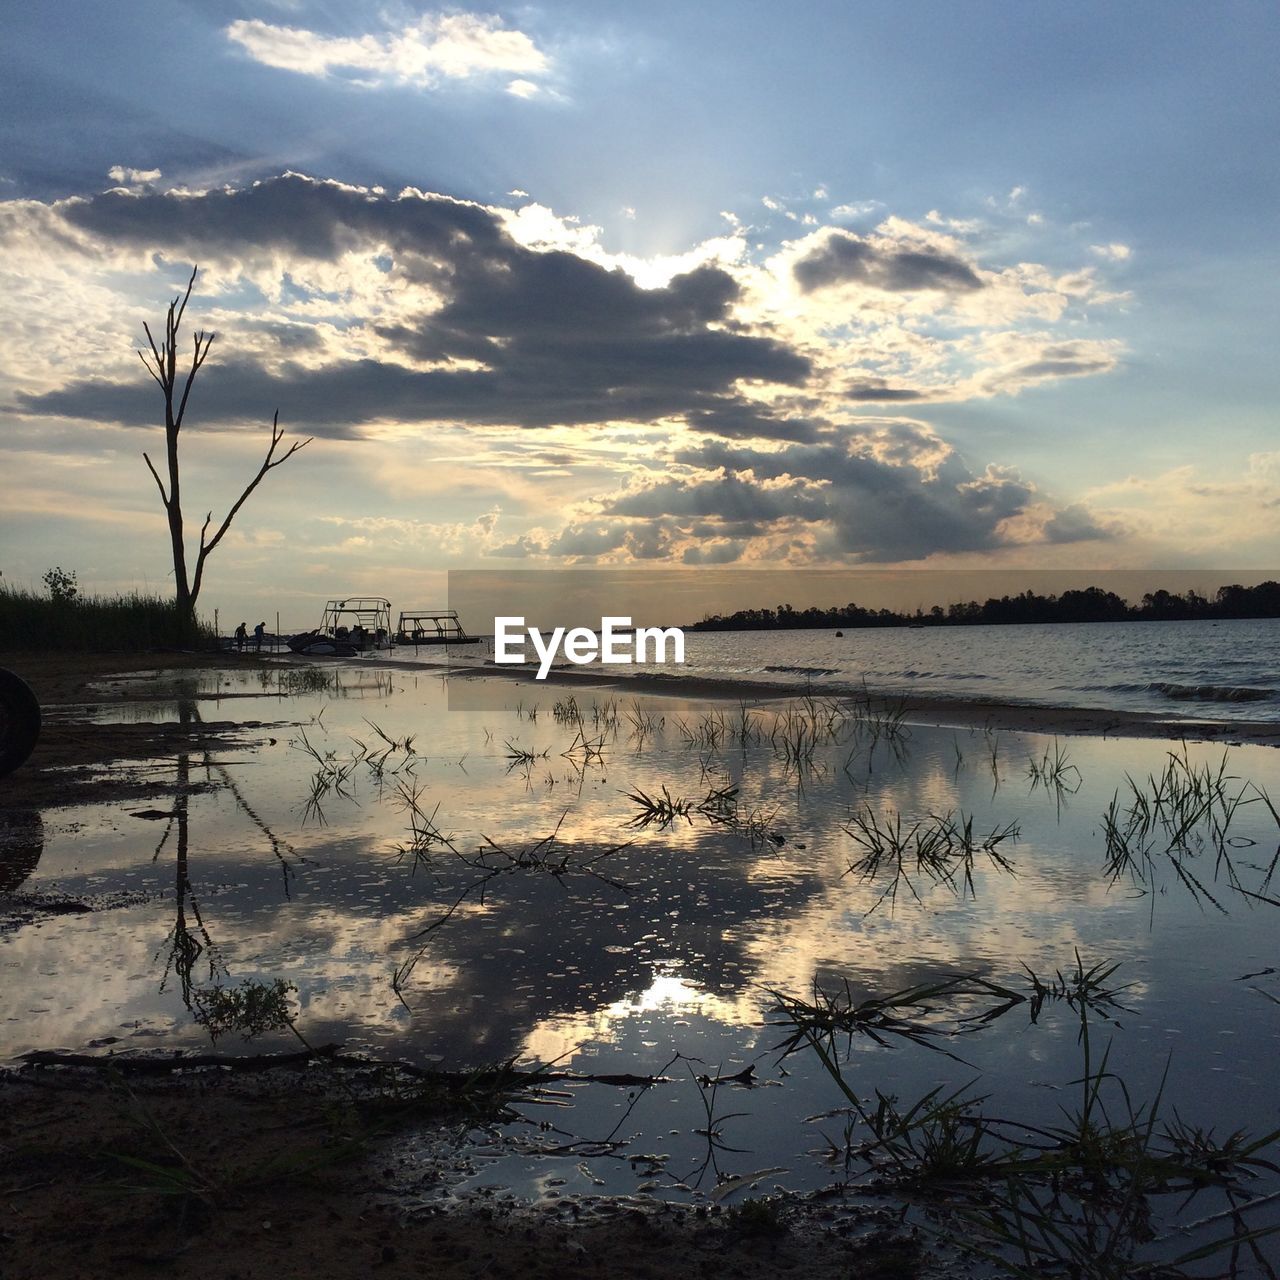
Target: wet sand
[275,1179]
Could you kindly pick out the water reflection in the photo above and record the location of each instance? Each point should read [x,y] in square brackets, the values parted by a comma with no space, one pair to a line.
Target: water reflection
[481,888]
[21,844]
[189,950]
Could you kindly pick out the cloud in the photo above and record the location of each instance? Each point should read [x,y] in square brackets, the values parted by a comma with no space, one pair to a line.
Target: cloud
[892,493]
[522,317]
[511,335]
[434,49]
[876,389]
[860,209]
[133,177]
[895,492]
[731,393]
[1036,360]
[1113,252]
[1075,523]
[844,258]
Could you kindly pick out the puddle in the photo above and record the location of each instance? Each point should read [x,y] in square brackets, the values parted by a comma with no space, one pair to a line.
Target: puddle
[467,886]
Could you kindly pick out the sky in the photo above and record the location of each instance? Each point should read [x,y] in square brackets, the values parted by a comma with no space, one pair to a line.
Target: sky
[908,285]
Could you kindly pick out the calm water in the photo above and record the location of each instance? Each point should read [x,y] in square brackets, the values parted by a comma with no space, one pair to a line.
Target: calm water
[650,942]
[1179,669]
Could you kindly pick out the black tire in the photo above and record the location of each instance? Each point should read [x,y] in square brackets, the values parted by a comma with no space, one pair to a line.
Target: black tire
[19,722]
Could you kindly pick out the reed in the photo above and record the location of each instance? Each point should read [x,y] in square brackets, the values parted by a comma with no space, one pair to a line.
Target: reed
[1100,1195]
[567,711]
[941,848]
[719,806]
[642,722]
[1182,820]
[96,624]
[1054,771]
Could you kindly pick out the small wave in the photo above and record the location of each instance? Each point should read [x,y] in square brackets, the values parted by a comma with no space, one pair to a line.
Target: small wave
[1144,687]
[805,671]
[1211,692]
[937,675]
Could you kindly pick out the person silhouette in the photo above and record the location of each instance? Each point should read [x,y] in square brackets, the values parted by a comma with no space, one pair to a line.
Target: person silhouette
[242,636]
[258,632]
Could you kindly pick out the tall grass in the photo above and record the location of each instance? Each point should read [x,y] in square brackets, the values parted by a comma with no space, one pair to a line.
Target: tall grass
[95,623]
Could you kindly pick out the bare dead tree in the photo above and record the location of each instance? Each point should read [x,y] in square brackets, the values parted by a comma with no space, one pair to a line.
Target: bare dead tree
[162,365]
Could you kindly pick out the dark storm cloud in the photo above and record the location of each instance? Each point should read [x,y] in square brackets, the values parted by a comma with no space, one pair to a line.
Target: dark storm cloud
[530,392]
[727,497]
[879,506]
[844,257]
[293,214]
[563,340]
[741,419]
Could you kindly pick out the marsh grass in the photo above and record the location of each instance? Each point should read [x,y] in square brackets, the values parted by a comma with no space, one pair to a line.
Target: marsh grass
[930,1013]
[606,716]
[567,711]
[827,1017]
[941,848]
[1100,1194]
[583,750]
[1055,773]
[291,681]
[91,624]
[660,809]
[329,778]
[707,733]
[642,724]
[1084,989]
[425,836]
[719,806]
[1182,820]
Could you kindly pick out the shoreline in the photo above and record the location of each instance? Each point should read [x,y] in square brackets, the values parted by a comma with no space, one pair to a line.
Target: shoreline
[61,679]
[922,711]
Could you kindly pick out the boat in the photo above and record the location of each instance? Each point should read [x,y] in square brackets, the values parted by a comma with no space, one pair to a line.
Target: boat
[432,626]
[356,625]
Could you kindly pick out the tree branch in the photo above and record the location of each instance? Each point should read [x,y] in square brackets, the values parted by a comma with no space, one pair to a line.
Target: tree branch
[164,497]
[142,355]
[159,362]
[185,297]
[268,464]
[197,359]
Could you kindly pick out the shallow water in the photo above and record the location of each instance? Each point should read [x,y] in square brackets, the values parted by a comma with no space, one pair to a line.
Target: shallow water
[1182,670]
[645,950]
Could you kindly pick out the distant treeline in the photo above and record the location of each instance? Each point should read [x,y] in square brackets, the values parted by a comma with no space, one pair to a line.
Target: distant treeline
[1091,604]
